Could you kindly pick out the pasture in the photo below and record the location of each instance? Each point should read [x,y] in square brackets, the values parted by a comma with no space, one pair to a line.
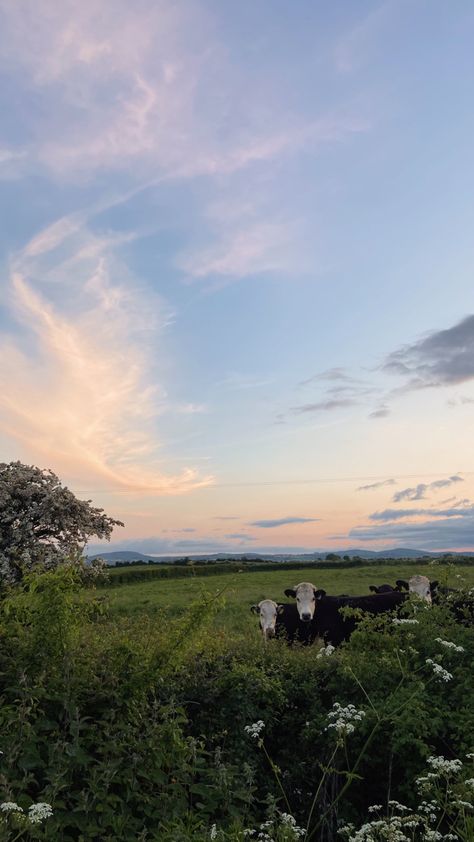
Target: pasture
[171,597]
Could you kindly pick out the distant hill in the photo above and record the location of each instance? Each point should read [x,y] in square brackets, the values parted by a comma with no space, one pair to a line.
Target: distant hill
[119,556]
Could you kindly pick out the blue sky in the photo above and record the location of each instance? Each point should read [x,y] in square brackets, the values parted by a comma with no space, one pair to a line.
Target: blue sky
[237,263]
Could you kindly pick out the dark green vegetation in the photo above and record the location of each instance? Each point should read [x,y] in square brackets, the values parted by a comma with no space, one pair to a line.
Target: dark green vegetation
[125,708]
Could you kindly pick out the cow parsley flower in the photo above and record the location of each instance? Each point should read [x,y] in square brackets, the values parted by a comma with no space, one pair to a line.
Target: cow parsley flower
[439,671]
[326,650]
[213,832]
[255,729]
[448,644]
[40,811]
[343,718]
[10,807]
[444,767]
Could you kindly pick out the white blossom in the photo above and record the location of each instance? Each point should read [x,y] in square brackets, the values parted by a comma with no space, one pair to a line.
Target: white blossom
[448,644]
[213,832]
[439,671]
[344,717]
[255,729]
[10,807]
[326,650]
[39,811]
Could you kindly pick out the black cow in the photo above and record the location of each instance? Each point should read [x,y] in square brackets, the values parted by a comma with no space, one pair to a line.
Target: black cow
[322,612]
[382,588]
[335,629]
[282,620]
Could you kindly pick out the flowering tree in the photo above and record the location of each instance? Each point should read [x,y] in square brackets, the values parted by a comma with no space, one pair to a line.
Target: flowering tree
[41,521]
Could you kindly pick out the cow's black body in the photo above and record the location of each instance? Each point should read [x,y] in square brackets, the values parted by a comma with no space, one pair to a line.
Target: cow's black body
[289,625]
[330,625]
[382,588]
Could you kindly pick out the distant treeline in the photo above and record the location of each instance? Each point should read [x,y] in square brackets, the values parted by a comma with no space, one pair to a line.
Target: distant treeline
[135,572]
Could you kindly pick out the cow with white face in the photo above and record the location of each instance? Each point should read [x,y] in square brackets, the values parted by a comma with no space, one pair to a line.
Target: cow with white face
[418,585]
[306,596]
[267,611]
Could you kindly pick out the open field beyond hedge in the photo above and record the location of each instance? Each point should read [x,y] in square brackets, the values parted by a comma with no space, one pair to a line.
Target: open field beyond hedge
[241,590]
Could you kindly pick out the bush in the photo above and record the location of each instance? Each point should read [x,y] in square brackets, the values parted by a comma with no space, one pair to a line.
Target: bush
[136,728]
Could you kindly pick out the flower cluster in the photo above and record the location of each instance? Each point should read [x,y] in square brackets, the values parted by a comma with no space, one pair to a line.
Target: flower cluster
[36,814]
[448,644]
[399,826]
[439,671]
[255,729]
[326,651]
[343,718]
[283,827]
[40,811]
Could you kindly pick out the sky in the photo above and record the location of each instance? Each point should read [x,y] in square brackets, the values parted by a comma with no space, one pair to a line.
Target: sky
[237,259]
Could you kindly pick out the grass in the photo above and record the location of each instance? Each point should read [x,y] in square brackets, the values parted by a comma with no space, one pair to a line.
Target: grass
[170,597]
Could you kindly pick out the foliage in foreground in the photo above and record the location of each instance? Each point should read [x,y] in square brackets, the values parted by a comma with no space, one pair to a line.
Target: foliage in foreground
[151,730]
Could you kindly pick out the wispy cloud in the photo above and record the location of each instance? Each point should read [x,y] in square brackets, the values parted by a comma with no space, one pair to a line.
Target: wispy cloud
[75,380]
[282,521]
[324,405]
[420,491]
[402,514]
[374,485]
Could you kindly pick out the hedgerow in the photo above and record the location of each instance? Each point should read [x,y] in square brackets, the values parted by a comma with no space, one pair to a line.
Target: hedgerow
[150,729]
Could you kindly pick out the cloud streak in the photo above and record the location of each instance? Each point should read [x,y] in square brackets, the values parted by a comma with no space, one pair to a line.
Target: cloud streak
[374,485]
[420,491]
[283,521]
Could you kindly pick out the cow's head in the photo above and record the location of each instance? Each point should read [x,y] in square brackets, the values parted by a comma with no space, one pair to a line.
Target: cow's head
[381,588]
[306,596]
[418,585]
[267,611]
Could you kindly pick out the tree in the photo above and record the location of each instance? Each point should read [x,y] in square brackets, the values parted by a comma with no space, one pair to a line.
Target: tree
[42,522]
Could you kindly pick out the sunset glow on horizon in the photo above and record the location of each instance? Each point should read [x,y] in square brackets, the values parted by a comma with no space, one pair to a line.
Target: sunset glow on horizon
[237,306]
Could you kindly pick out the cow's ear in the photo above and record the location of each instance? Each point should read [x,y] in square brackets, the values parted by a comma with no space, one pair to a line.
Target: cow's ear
[280,609]
[434,585]
[401,584]
[373,588]
[319,594]
[290,592]
[255,609]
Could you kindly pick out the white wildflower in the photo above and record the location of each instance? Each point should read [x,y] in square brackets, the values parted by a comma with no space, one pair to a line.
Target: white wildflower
[439,671]
[255,729]
[40,811]
[448,644]
[213,832]
[10,807]
[326,650]
[344,717]
[443,766]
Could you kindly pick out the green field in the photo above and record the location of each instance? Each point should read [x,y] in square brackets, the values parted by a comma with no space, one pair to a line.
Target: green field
[240,590]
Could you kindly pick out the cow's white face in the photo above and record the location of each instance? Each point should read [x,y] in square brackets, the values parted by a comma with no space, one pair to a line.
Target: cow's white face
[267,611]
[305,595]
[420,585]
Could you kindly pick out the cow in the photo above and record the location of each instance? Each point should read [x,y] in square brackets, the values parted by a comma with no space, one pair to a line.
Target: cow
[282,620]
[322,612]
[419,585]
[381,588]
